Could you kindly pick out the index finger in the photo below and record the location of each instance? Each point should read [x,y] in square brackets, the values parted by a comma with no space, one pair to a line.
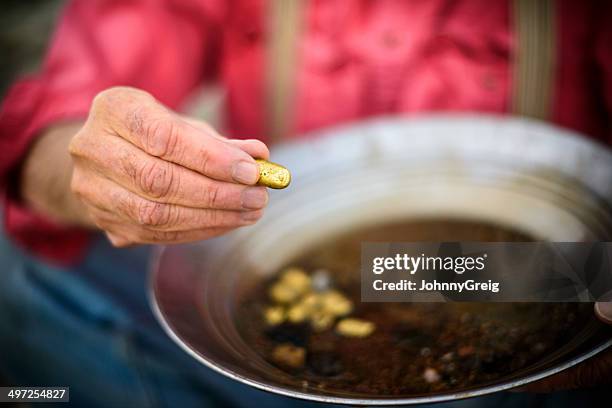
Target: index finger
[144,122]
[253,147]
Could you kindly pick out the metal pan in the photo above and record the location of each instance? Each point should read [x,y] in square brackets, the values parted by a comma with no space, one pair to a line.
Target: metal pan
[551,183]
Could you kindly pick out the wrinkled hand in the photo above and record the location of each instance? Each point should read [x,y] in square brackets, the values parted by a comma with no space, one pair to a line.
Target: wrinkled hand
[592,372]
[148,175]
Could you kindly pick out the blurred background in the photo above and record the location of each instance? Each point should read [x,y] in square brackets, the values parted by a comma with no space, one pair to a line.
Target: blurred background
[25,26]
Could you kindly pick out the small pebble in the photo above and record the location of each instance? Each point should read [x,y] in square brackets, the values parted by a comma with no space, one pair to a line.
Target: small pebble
[431,375]
[321,280]
[448,356]
[465,351]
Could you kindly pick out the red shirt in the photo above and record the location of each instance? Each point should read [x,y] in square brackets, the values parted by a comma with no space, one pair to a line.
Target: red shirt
[359,58]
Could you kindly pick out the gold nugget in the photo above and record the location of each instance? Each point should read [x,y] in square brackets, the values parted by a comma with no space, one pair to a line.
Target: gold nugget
[282,293]
[274,315]
[297,279]
[288,355]
[335,303]
[321,321]
[297,313]
[351,327]
[273,175]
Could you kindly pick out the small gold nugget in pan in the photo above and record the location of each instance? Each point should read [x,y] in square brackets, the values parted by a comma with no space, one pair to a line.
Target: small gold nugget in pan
[273,175]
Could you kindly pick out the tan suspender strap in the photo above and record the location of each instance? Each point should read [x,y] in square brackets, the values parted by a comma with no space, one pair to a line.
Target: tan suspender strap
[534,59]
[533,67]
[284,25]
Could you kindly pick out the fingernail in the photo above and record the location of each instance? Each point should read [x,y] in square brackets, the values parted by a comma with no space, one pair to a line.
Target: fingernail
[604,310]
[251,215]
[254,198]
[245,172]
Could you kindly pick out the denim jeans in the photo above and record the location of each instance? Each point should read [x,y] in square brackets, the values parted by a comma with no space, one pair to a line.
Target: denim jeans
[89,327]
